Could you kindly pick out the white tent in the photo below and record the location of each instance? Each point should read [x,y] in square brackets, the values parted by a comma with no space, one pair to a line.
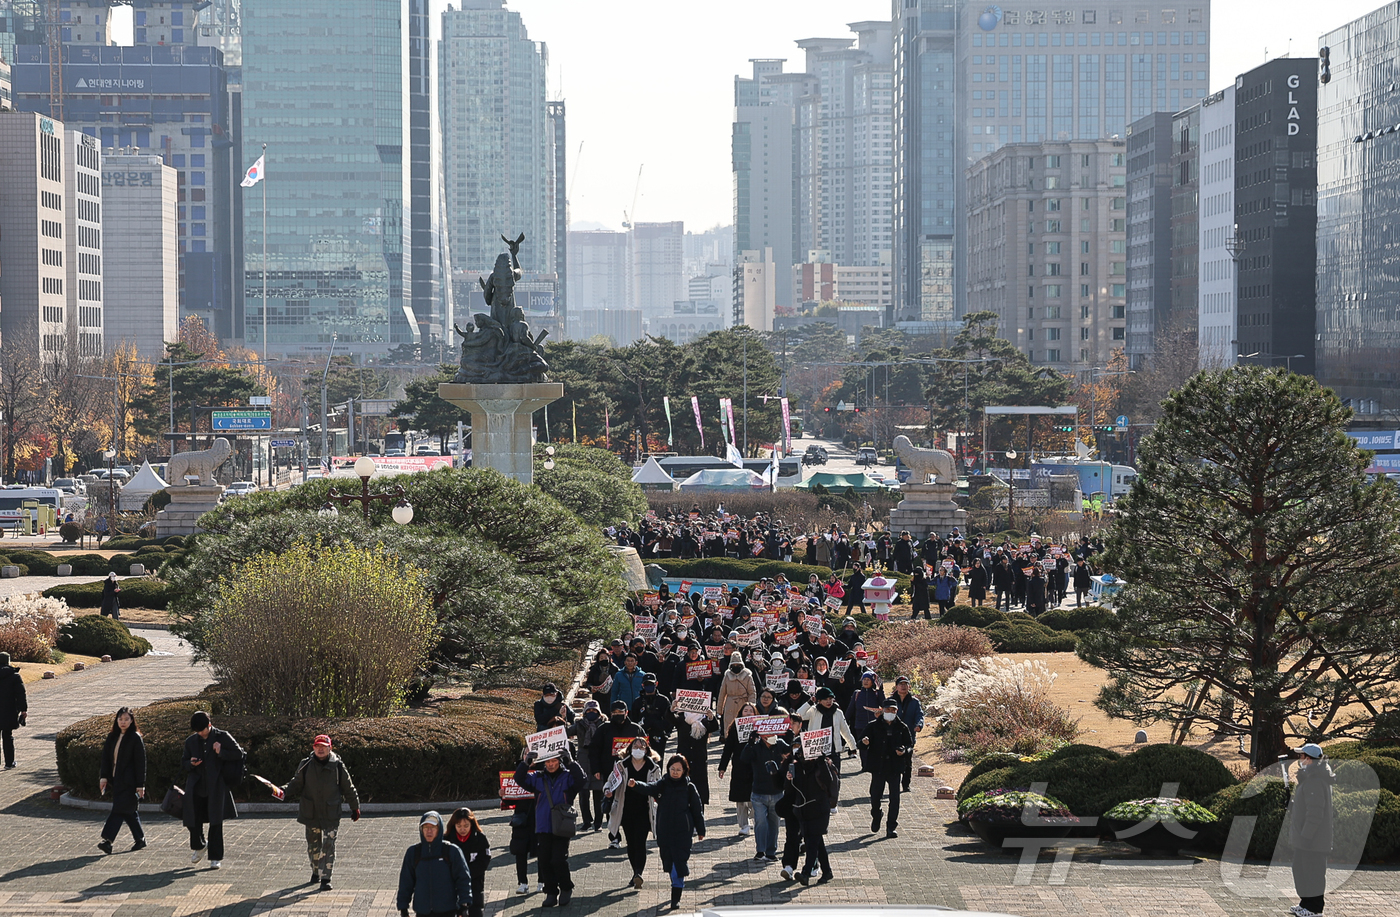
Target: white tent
[139,489]
[652,476]
[724,479]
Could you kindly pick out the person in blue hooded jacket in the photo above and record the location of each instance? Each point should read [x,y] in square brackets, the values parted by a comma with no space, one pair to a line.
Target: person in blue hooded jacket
[558,782]
[434,878]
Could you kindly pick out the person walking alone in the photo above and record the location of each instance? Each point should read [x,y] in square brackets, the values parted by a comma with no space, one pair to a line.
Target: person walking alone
[14,708]
[434,878]
[321,783]
[213,765]
[1310,830]
[111,597]
[124,773]
[889,742]
[679,816]
[465,831]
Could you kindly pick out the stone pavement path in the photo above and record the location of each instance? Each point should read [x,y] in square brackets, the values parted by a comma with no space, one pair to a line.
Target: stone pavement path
[50,868]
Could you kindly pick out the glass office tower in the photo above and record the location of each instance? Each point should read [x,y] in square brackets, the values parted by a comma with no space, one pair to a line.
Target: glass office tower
[325,86]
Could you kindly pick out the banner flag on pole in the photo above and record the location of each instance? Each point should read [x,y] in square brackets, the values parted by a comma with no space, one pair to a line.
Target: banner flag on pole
[666,401]
[695,406]
[607,429]
[723,423]
[733,456]
[729,406]
[255,173]
[787,426]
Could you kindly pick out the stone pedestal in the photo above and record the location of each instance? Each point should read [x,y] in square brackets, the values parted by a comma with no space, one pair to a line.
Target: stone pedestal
[927,508]
[187,504]
[501,431]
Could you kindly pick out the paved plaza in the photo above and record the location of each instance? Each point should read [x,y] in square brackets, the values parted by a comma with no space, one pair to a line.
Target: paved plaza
[49,866]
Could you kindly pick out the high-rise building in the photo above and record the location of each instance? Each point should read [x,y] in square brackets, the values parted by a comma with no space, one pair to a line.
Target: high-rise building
[620,326]
[657,256]
[1358,222]
[599,270]
[1149,232]
[430,295]
[1047,235]
[141,276]
[498,159]
[1183,314]
[970,78]
[1216,318]
[559,208]
[1276,209]
[763,149]
[326,86]
[82,213]
[6,92]
[844,146]
[162,94]
[756,304]
[33,198]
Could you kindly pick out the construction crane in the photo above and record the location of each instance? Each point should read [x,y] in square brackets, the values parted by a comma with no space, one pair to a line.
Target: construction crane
[626,214]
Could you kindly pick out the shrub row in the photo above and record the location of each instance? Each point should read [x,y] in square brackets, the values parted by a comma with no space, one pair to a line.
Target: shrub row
[42,563]
[94,635]
[1016,632]
[136,593]
[408,758]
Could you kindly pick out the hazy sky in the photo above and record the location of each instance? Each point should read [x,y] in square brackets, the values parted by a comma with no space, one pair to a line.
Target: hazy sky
[650,83]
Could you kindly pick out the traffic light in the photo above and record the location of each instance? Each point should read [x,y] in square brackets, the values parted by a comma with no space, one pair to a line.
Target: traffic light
[857,410]
[828,410]
[1107,428]
[1064,429]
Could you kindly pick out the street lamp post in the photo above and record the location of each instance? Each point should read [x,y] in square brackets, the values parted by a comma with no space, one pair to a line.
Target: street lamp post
[1011,482]
[111,456]
[365,469]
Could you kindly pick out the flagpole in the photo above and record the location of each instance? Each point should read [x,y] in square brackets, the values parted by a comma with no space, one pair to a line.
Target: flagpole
[264,257]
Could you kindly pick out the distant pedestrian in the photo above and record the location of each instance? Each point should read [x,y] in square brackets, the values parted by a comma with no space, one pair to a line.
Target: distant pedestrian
[945,590]
[918,593]
[123,771]
[465,831]
[680,815]
[111,597]
[213,765]
[322,782]
[1310,830]
[14,707]
[1083,581]
[434,879]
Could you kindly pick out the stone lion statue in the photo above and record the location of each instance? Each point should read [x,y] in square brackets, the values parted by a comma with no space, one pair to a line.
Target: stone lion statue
[202,464]
[926,466]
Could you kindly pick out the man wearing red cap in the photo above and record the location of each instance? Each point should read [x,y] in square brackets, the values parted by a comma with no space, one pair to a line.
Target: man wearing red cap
[322,782]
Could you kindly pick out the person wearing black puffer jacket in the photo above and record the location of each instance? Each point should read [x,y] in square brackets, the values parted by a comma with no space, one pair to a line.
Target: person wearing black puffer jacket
[465,831]
[888,742]
[550,709]
[434,878]
[652,712]
[14,707]
[680,815]
[123,771]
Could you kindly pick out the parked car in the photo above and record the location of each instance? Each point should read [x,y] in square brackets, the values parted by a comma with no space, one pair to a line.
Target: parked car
[426,450]
[395,453]
[71,486]
[867,456]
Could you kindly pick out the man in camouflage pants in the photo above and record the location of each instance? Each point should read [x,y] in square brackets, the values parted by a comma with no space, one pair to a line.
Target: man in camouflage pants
[322,782]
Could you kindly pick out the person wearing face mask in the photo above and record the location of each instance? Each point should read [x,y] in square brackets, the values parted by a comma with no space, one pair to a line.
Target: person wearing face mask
[550,709]
[736,689]
[911,711]
[1310,830]
[619,727]
[556,784]
[434,878]
[814,788]
[652,712]
[693,731]
[598,679]
[680,816]
[888,742]
[764,755]
[863,710]
[583,731]
[741,783]
[633,813]
[823,713]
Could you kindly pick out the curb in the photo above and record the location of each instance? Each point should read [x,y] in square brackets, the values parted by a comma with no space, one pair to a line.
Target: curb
[283,808]
[141,626]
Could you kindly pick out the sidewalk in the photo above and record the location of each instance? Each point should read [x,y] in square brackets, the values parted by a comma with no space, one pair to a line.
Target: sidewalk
[49,866]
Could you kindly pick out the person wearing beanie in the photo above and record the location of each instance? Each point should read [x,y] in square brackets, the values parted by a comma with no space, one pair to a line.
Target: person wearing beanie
[864,709]
[823,713]
[736,689]
[583,731]
[888,743]
[213,765]
[1310,830]
[321,783]
[434,878]
[550,709]
[14,707]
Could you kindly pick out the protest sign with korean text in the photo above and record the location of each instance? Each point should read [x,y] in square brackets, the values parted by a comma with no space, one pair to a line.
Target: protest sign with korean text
[546,744]
[693,701]
[816,742]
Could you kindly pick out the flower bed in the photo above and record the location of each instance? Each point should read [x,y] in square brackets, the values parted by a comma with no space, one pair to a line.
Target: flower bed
[1002,813]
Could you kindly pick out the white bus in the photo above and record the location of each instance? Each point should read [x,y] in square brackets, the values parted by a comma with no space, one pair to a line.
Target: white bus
[12,502]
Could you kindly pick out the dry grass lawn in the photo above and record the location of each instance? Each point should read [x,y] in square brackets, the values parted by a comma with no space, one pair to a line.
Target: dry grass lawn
[132,615]
[34,671]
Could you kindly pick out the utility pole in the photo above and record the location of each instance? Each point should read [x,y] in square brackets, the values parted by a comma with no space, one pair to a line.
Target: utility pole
[746,396]
[325,426]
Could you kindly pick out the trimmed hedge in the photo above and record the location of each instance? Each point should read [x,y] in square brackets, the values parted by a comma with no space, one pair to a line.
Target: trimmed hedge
[42,563]
[1268,806]
[1090,617]
[95,635]
[136,593]
[1341,751]
[1029,636]
[1091,783]
[408,758]
[969,616]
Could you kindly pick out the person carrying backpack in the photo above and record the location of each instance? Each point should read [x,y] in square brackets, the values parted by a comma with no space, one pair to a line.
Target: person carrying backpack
[434,878]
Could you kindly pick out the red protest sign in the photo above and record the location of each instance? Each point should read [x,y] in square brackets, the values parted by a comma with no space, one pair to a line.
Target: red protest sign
[510,791]
[698,671]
